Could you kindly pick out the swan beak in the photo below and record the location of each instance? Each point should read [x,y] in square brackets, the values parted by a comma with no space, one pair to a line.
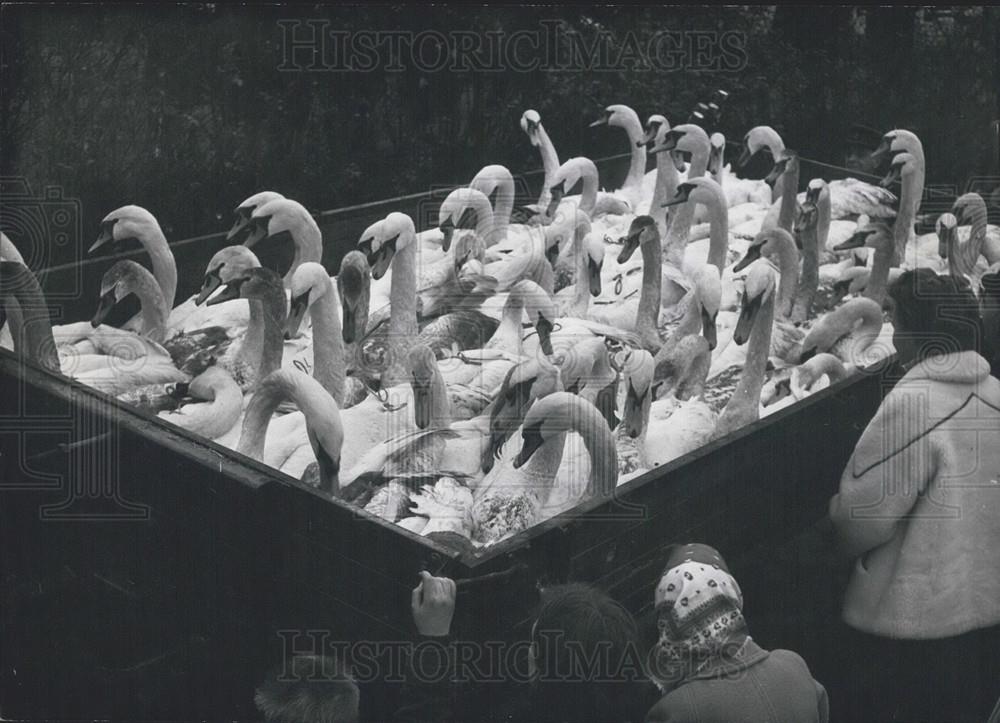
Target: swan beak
[807,354]
[349,327]
[104,237]
[380,260]
[629,244]
[882,149]
[682,195]
[211,283]
[856,241]
[421,403]
[552,253]
[648,136]
[776,170]
[714,161]
[544,328]
[229,291]
[258,232]
[632,414]
[296,313]
[557,195]
[748,315]
[669,142]
[329,470]
[179,390]
[745,156]
[753,253]
[602,121]
[708,328]
[448,232]
[531,440]
[891,177]
[106,304]
[594,274]
[242,221]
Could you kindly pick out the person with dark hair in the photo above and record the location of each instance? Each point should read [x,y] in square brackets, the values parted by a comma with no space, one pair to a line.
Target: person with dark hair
[919,513]
[586,658]
[705,662]
[312,689]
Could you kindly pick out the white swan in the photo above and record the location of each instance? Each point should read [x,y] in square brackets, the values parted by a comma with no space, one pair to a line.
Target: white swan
[246,209]
[621,116]
[531,124]
[312,290]
[216,406]
[853,332]
[280,216]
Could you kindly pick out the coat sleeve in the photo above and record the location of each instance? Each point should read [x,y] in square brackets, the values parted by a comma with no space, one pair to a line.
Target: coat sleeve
[892,463]
[823,702]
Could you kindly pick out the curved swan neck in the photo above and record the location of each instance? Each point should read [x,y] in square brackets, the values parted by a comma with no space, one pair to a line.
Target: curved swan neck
[215,418]
[270,393]
[550,163]
[508,334]
[581,295]
[667,180]
[328,344]
[878,278]
[273,313]
[164,265]
[502,211]
[789,191]
[788,266]
[809,279]
[588,194]
[153,309]
[308,242]
[488,227]
[34,328]
[637,162]
[911,191]
[745,402]
[600,444]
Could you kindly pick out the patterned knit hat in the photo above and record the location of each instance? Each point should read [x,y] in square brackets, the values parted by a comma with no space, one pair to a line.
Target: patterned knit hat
[699,615]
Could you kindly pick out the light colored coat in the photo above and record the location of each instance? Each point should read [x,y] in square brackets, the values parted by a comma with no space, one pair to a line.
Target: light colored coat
[919,505]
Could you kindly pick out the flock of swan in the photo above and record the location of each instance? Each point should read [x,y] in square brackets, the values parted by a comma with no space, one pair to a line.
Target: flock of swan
[478,377]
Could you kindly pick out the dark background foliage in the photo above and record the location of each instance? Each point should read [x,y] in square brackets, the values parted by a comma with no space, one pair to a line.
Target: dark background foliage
[183,109]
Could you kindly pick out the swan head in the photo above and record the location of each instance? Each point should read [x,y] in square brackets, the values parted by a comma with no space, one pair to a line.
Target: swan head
[353,281]
[898,140]
[566,177]
[708,287]
[757,291]
[548,418]
[873,235]
[642,230]
[967,207]
[617,115]
[227,264]
[256,283]
[245,209]
[717,152]
[761,138]
[788,162]
[122,279]
[656,126]
[490,178]
[704,190]
[594,248]
[808,211]
[904,166]
[835,325]
[947,232]
[282,215]
[207,385]
[805,375]
[381,241]
[540,309]
[126,223]
[766,244]
[684,138]
[459,207]
[310,283]
[531,121]
[637,376]
[423,369]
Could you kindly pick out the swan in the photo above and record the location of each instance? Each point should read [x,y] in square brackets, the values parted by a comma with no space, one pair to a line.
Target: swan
[853,332]
[786,168]
[519,493]
[324,427]
[580,169]
[880,238]
[621,116]
[907,167]
[245,210]
[738,190]
[497,179]
[217,407]
[9,252]
[970,209]
[753,329]
[588,255]
[281,216]
[684,138]
[700,314]
[262,349]
[716,250]
[33,336]
[312,290]
[525,296]
[666,174]
[795,383]
[531,124]
[778,246]
[812,229]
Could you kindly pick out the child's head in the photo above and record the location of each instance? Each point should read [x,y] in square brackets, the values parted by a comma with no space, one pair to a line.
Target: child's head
[699,615]
[932,315]
[312,689]
[585,653]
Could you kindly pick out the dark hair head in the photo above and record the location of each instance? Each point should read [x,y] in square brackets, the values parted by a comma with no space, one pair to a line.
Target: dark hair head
[934,314]
[587,654]
[312,689]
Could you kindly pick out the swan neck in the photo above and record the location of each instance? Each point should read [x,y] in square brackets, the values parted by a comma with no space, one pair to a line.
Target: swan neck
[878,278]
[550,163]
[718,244]
[600,444]
[788,262]
[666,188]
[649,299]
[164,265]
[30,323]
[809,279]
[273,312]
[403,293]
[911,191]
[746,396]
[328,345]
[637,163]
[789,191]
[308,241]
[501,214]
[588,196]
